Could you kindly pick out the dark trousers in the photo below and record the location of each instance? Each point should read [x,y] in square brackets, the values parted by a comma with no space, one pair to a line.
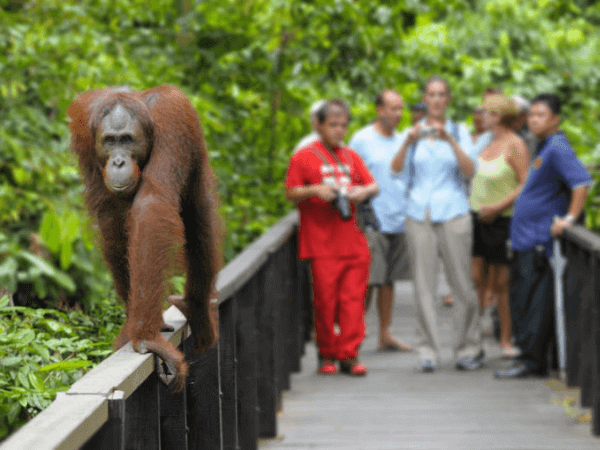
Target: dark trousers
[532,308]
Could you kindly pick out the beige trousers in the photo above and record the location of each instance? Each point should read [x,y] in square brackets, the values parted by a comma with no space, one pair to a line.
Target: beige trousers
[452,239]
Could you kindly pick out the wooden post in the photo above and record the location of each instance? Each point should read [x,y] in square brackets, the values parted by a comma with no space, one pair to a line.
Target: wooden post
[173,413]
[595,347]
[293,296]
[573,292]
[112,433]
[228,371]
[269,341]
[142,421]
[246,349]
[204,406]
[587,328]
[309,320]
[116,414]
[284,321]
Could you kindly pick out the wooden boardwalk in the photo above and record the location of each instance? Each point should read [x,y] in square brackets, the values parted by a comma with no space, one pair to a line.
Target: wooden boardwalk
[397,407]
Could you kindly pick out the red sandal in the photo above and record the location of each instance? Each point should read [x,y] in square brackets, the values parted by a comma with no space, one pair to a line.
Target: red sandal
[352,367]
[328,368]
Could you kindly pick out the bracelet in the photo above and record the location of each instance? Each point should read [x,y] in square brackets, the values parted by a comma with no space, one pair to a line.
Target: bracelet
[569,218]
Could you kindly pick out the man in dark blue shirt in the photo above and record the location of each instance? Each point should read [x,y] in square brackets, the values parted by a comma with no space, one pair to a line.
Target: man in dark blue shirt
[557,186]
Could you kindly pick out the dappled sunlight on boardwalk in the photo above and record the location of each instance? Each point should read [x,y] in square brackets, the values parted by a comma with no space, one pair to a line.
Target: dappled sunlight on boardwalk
[397,407]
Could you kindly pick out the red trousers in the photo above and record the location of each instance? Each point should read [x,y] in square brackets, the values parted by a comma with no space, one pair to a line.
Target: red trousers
[339,288]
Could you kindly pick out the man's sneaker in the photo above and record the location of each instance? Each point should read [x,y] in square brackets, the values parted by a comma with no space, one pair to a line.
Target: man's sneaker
[427,365]
[471,362]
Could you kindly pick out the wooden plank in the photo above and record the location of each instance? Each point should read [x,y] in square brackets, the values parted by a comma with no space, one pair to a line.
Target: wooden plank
[595,347]
[204,406]
[577,284]
[268,342]
[277,287]
[397,407]
[596,418]
[228,377]
[173,415]
[142,418]
[66,424]
[307,294]
[293,296]
[286,319]
[112,433]
[586,327]
[246,348]
[125,370]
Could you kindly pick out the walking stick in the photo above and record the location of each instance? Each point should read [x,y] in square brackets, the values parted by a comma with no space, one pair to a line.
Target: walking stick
[558,263]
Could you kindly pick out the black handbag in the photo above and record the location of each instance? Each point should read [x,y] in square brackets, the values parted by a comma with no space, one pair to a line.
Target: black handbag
[365,214]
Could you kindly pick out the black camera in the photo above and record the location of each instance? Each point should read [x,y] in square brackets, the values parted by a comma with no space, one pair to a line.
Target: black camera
[341,204]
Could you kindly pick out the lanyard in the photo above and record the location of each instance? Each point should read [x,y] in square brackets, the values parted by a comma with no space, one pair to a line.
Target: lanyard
[342,167]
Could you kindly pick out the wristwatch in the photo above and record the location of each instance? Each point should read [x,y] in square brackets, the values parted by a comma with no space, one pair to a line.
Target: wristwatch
[569,218]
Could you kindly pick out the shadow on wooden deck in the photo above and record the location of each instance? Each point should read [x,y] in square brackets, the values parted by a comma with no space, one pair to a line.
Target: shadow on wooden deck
[397,407]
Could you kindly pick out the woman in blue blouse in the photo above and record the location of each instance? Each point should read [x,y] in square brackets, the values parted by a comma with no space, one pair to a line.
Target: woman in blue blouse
[439,156]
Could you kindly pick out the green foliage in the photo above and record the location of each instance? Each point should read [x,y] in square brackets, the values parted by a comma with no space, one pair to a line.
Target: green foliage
[252,70]
[254,57]
[44,351]
[30,268]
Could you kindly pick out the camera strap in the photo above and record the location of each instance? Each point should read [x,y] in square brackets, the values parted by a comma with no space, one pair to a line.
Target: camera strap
[341,166]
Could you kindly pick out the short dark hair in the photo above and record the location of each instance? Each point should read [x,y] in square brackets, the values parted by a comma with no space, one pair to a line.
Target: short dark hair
[492,90]
[421,106]
[549,99]
[436,79]
[336,102]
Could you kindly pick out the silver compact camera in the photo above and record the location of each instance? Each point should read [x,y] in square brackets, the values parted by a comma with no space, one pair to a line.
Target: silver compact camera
[426,132]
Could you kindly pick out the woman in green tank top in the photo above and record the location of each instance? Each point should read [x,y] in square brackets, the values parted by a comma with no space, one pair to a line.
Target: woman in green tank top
[501,172]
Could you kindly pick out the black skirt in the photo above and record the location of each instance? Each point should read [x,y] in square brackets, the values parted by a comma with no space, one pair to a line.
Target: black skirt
[490,240]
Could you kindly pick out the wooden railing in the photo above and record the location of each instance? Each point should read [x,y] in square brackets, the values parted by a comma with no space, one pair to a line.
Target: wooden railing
[234,391]
[582,316]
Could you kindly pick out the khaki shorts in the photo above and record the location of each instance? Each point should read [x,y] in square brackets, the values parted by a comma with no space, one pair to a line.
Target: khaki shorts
[390,260]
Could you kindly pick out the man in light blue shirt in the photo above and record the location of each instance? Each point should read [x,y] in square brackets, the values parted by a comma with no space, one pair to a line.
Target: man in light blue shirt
[376,144]
[438,154]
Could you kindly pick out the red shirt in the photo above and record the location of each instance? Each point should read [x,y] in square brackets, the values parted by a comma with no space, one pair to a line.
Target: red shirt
[322,232]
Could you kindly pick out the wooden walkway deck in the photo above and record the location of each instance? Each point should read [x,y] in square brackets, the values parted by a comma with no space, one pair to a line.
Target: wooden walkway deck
[397,407]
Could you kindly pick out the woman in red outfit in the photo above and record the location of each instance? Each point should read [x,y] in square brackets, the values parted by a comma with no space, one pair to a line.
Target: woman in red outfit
[319,174]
